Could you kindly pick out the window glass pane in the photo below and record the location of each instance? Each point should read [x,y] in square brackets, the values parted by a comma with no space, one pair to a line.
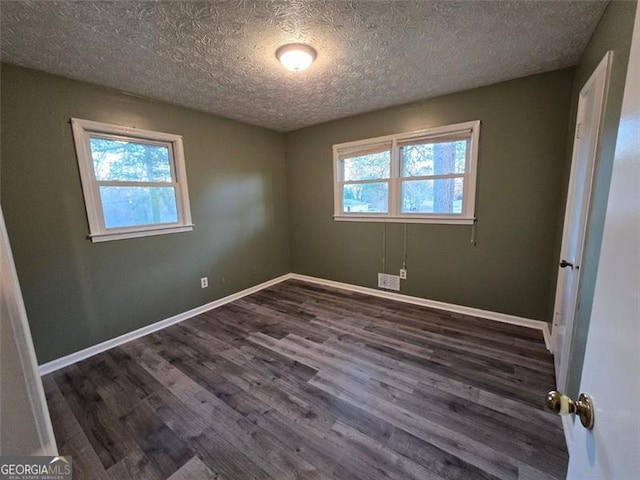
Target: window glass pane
[365,198]
[434,158]
[129,206]
[129,161]
[367,167]
[443,195]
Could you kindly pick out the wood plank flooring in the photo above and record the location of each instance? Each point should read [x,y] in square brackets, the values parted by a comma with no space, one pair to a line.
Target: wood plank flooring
[301,381]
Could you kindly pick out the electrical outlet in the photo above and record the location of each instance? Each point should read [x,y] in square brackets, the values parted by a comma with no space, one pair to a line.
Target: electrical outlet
[204,282]
[403,274]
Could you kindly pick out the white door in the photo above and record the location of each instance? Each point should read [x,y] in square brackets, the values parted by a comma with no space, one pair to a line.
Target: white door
[611,372]
[588,122]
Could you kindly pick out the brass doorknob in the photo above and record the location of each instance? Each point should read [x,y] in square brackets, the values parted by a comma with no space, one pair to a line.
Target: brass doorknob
[565,264]
[561,404]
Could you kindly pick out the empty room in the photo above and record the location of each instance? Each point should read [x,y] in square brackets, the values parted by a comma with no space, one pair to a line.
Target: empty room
[317,239]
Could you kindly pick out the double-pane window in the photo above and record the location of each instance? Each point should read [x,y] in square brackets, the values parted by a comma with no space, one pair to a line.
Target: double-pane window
[134,181]
[425,176]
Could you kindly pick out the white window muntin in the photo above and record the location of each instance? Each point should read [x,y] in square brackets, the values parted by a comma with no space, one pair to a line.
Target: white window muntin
[467,130]
[83,131]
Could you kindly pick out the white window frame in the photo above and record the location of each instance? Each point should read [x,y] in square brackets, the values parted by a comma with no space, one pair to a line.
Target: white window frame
[83,130]
[394,211]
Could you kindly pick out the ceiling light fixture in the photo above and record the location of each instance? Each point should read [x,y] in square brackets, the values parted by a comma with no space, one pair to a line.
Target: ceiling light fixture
[296,56]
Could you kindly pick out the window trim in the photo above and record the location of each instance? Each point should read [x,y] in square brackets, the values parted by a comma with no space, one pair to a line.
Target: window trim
[82,132]
[394,210]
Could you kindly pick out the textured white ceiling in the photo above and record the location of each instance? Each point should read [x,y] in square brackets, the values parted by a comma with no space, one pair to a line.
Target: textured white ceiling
[219,56]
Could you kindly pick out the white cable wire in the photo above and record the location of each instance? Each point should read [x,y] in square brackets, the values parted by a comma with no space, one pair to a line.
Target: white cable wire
[473,232]
[384,248]
[404,253]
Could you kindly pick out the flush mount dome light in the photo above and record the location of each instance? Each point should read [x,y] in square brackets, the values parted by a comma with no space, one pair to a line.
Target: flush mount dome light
[296,56]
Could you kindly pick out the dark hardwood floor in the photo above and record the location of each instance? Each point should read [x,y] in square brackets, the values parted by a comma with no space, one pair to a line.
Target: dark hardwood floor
[301,381]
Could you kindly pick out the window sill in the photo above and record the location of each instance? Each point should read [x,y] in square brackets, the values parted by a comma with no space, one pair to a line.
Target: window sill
[147,232]
[406,219]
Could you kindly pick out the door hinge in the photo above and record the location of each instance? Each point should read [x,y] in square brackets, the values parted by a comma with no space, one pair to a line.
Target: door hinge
[579,130]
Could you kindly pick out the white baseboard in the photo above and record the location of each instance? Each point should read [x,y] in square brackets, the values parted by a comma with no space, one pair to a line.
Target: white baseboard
[72,358]
[450,307]
[548,338]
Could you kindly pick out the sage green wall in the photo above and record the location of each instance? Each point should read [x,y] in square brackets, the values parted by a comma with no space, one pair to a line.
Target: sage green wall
[614,32]
[522,158]
[78,293]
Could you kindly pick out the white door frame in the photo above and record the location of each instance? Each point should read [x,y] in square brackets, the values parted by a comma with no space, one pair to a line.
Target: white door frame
[32,411]
[578,209]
